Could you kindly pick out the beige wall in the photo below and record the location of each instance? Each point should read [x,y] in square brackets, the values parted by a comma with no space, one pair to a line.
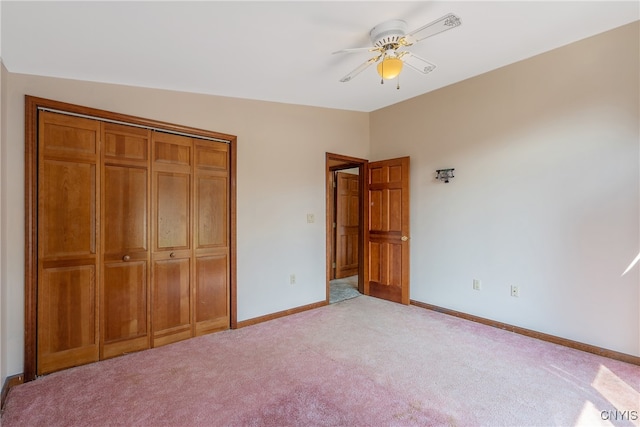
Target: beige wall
[546,193]
[281,156]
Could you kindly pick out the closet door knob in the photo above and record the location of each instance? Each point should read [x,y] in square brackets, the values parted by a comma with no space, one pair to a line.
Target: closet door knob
[172,255]
[404,238]
[126,258]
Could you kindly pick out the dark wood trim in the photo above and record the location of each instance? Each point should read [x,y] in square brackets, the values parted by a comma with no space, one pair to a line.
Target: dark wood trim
[9,382]
[363,246]
[233,260]
[110,115]
[31,229]
[340,161]
[611,354]
[31,167]
[344,166]
[279,314]
[335,162]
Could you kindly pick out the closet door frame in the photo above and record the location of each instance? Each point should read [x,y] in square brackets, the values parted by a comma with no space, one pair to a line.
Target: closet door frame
[32,105]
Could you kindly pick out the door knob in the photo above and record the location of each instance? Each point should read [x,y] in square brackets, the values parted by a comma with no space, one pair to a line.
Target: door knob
[172,255]
[126,258]
[404,238]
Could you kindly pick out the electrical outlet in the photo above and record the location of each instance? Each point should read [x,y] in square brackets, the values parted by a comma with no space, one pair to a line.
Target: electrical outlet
[311,218]
[477,284]
[515,291]
[292,279]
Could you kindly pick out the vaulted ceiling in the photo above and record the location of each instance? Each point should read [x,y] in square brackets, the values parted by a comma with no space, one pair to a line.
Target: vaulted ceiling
[282,51]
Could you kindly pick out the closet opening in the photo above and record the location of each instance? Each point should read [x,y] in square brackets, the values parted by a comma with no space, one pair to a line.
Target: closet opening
[130,234]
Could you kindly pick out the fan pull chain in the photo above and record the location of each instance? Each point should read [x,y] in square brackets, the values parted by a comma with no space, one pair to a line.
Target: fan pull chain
[398,86]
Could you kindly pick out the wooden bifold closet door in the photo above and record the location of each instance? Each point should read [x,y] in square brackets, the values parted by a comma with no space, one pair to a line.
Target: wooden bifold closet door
[68,241]
[191,240]
[125,240]
[133,239]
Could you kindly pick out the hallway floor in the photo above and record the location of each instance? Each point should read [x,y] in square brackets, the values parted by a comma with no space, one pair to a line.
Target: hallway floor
[343,289]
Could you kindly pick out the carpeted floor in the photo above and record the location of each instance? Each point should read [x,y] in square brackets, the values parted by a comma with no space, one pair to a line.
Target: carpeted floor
[362,362]
[343,289]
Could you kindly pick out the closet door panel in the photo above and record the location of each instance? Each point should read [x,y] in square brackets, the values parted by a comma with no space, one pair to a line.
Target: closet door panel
[211,211]
[212,156]
[172,150]
[125,219]
[68,137]
[125,308]
[212,290]
[173,202]
[125,300]
[171,301]
[126,143]
[67,217]
[67,332]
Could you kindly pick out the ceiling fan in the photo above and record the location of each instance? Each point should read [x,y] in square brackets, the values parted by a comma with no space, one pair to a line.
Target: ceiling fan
[390,40]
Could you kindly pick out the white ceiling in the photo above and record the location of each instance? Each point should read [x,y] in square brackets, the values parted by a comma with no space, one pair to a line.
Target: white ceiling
[282,51]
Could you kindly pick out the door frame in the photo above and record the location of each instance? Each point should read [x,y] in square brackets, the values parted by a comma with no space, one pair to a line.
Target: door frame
[32,105]
[335,162]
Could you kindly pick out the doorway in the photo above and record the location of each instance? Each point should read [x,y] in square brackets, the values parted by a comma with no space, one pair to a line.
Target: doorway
[383,229]
[346,225]
[344,248]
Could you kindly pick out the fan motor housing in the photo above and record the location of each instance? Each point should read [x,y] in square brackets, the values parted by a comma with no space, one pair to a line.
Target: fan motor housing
[389,32]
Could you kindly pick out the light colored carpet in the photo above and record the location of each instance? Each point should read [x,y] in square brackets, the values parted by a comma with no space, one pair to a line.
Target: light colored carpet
[362,362]
[343,289]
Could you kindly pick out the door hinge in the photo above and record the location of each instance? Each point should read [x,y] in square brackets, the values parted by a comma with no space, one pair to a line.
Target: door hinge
[334,184]
[334,225]
[333,265]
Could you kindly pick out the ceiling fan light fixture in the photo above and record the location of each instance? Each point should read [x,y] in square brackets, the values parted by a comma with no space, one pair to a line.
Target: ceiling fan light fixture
[390,68]
[389,41]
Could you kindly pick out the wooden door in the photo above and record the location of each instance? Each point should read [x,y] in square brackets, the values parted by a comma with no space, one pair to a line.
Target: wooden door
[125,238]
[68,241]
[123,226]
[347,223]
[388,236]
[172,160]
[211,237]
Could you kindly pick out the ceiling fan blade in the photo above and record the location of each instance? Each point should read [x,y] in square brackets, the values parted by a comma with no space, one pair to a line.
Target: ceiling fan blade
[445,23]
[417,63]
[360,69]
[358,49]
